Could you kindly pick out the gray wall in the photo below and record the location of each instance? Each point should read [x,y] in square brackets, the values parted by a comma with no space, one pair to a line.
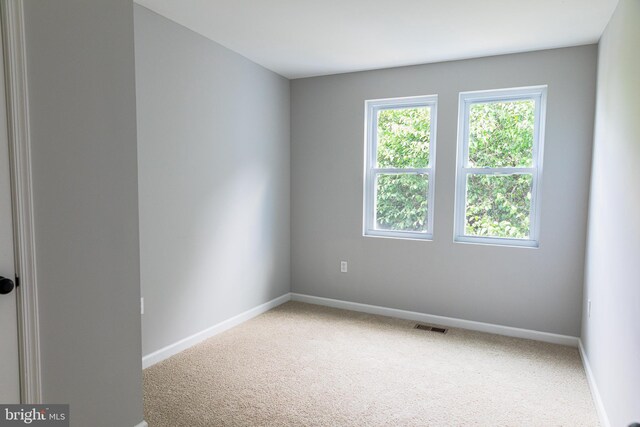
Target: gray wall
[539,289]
[83,127]
[213,152]
[611,335]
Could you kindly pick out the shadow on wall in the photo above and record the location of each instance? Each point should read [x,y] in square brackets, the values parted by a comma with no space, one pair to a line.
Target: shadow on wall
[233,241]
[207,263]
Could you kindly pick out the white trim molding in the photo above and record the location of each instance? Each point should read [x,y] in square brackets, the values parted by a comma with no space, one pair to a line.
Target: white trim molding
[185,343]
[15,63]
[440,320]
[142,423]
[177,347]
[593,386]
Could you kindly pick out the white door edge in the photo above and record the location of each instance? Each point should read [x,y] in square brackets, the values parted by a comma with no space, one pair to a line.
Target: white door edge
[9,353]
[15,66]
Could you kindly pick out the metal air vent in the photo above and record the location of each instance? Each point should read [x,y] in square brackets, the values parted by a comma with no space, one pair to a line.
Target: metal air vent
[431,328]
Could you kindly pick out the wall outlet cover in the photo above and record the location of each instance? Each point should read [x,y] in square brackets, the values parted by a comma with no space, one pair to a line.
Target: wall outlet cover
[343,266]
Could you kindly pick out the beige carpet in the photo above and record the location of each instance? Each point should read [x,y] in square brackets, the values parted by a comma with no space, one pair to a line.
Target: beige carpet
[305,365]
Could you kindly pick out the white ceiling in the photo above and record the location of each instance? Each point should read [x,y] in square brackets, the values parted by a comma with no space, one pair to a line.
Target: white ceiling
[302,38]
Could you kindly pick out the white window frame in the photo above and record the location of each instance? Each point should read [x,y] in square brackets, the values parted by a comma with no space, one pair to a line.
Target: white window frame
[371,171]
[539,95]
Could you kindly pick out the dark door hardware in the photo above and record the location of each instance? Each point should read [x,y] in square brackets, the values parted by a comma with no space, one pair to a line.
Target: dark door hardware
[6,285]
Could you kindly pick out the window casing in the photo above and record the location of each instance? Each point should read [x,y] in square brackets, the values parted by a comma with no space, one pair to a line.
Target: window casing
[399,185]
[498,181]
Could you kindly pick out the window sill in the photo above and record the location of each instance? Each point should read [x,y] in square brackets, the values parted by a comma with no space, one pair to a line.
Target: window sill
[401,235]
[502,242]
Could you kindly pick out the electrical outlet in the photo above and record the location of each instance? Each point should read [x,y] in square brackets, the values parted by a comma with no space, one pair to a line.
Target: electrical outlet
[589,308]
[141,305]
[343,266]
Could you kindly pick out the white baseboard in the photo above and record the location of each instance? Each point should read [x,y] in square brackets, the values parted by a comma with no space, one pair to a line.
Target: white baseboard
[452,322]
[593,386]
[183,344]
[440,320]
[175,348]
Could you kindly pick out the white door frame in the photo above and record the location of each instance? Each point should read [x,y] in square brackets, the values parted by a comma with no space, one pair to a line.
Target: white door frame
[15,65]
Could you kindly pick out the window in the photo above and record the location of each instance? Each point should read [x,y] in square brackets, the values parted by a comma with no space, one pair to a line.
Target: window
[399,174]
[500,139]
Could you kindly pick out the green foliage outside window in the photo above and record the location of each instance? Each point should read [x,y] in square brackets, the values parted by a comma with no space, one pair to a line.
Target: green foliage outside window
[402,202]
[498,205]
[403,142]
[500,135]
[404,135]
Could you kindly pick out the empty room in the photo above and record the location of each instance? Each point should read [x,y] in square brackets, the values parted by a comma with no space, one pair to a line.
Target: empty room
[296,213]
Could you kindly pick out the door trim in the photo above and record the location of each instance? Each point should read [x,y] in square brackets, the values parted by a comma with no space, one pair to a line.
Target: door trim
[15,65]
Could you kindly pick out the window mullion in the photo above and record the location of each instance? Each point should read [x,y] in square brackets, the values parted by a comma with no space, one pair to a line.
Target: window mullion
[400,171]
[500,171]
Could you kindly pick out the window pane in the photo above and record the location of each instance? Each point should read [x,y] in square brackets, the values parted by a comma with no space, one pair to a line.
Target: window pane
[404,135]
[501,134]
[498,205]
[401,202]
